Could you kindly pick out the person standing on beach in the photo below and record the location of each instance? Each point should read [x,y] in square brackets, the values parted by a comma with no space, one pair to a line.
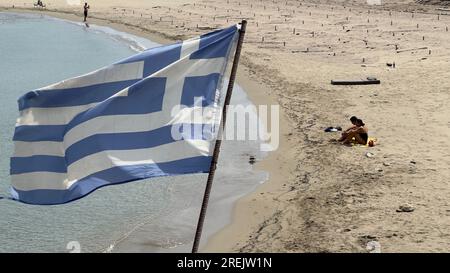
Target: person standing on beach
[86,8]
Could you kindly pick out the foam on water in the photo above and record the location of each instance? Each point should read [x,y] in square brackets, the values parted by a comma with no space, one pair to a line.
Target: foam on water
[154,215]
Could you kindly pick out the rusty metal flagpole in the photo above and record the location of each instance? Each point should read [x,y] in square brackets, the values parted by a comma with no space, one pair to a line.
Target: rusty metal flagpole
[212,168]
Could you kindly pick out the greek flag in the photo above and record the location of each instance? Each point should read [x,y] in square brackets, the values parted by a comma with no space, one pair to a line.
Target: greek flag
[125,122]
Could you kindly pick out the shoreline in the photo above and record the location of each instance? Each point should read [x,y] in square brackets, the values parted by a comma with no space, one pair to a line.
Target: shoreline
[224,240]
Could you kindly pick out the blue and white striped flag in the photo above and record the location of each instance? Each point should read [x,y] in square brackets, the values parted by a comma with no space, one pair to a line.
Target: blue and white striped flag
[125,122]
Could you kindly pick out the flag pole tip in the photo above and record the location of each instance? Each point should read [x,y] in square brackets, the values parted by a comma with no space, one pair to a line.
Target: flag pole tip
[242,25]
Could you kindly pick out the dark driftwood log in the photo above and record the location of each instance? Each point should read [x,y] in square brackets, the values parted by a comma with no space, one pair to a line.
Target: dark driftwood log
[355,82]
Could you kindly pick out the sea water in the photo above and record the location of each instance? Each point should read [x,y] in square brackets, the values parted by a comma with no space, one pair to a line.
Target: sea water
[153,215]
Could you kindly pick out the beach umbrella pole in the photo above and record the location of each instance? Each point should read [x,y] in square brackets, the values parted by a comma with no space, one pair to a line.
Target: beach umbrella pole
[212,168]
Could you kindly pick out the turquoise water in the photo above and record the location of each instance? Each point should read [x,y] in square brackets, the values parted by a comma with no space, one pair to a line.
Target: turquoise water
[157,215]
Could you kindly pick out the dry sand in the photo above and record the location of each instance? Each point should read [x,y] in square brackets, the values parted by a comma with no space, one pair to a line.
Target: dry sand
[324,197]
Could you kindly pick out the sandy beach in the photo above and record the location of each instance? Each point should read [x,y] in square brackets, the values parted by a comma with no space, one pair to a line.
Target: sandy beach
[321,196]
